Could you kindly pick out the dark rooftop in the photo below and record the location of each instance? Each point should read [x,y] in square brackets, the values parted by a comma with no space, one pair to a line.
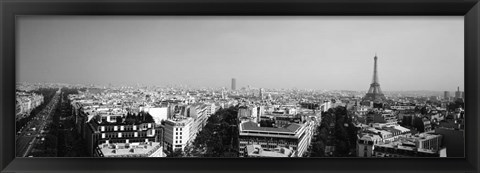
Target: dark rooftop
[391,129]
[254,126]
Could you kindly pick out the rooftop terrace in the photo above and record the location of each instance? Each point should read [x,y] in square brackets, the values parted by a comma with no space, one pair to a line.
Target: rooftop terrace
[258,151]
[142,149]
[251,126]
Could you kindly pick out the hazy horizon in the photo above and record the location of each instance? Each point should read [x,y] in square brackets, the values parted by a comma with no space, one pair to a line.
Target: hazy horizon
[331,53]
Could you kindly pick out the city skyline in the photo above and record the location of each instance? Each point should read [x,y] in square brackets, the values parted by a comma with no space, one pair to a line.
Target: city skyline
[266,52]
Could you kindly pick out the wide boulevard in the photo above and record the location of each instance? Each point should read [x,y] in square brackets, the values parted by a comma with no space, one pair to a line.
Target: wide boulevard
[26,138]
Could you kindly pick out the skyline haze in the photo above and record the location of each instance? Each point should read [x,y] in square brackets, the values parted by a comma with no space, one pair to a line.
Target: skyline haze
[333,53]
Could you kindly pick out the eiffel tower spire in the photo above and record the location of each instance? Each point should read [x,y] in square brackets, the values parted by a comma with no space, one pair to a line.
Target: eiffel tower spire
[375,74]
[374,92]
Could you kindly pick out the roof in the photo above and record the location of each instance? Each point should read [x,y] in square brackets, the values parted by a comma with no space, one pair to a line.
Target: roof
[402,129]
[251,126]
[370,137]
[392,130]
[258,151]
[293,127]
[132,150]
[448,124]
[425,136]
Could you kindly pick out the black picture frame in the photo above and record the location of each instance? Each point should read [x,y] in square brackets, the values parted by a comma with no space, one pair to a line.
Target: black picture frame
[470,9]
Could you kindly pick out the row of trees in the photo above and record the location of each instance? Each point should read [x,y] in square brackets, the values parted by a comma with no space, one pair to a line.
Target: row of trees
[459,103]
[61,139]
[336,129]
[49,148]
[219,137]
[48,94]
[70,143]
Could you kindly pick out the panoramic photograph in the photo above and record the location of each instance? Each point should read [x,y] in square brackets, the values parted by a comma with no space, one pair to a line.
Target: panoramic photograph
[240,86]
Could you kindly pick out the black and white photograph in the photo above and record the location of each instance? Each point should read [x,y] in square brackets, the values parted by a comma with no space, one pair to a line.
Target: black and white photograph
[240,86]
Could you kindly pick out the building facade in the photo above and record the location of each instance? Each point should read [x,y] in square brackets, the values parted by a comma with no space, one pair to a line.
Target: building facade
[177,133]
[294,136]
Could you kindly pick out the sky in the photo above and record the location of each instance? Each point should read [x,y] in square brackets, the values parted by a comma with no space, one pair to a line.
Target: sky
[303,52]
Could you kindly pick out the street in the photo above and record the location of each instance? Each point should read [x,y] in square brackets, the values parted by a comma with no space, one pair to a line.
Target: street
[26,138]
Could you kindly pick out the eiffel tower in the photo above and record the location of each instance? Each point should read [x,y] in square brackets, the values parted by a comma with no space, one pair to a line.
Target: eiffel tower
[374,93]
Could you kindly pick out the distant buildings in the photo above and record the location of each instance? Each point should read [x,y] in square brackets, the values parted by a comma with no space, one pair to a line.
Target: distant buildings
[234,84]
[402,107]
[274,124]
[261,94]
[459,94]
[418,122]
[387,118]
[446,95]
[26,102]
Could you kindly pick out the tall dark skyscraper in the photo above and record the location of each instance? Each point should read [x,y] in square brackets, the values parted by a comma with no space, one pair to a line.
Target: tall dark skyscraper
[458,93]
[375,93]
[234,84]
[446,95]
